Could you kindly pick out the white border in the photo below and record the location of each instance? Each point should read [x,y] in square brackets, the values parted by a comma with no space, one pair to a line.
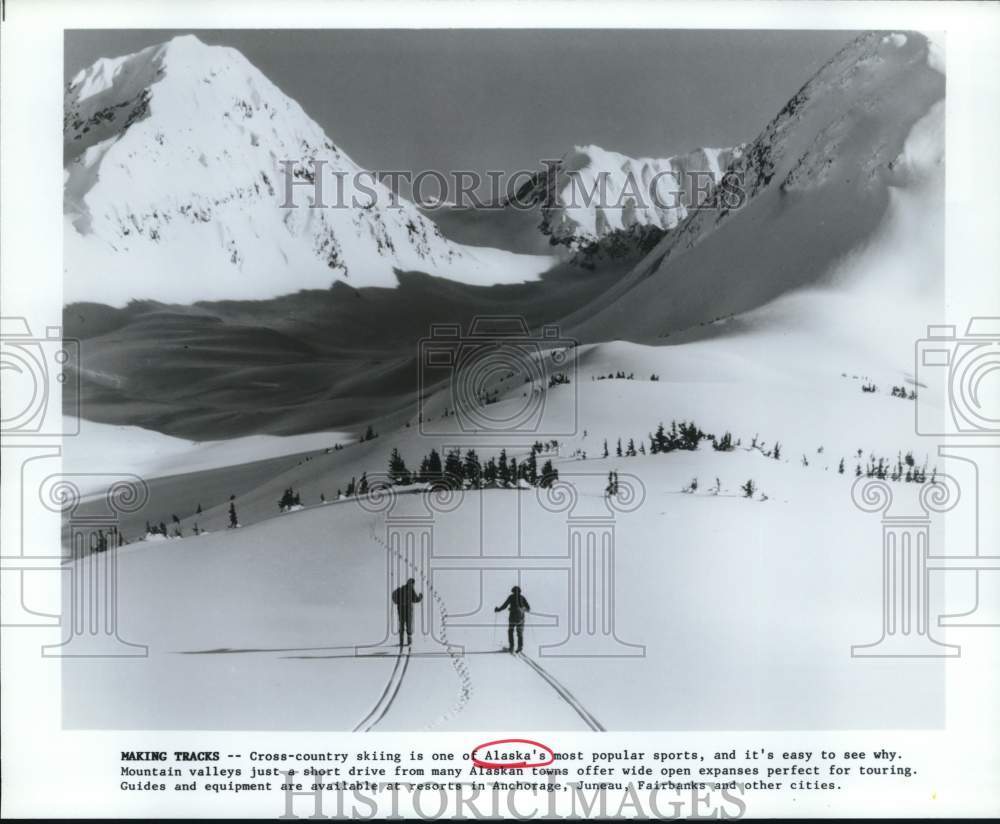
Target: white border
[51,772]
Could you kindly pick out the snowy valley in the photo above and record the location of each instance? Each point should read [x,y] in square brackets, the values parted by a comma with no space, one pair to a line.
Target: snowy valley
[780,333]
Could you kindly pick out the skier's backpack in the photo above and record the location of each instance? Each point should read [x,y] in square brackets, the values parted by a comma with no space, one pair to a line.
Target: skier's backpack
[395,597]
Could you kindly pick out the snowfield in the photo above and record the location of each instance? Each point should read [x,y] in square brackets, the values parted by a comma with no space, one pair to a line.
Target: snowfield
[150,454]
[723,591]
[732,610]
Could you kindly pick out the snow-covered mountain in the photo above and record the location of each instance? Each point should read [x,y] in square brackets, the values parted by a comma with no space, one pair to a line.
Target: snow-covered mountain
[174,185]
[824,180]
[593,206]
[841,231]
[631,192]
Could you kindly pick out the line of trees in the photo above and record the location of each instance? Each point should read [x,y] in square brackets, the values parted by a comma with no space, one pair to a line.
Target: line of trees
[458,471]
[904,469]
[685,435]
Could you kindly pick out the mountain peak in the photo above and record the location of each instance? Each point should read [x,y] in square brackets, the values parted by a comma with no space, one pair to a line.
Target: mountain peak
[174,165]
[184,42]
[147,65]
[817,184]
[595,192]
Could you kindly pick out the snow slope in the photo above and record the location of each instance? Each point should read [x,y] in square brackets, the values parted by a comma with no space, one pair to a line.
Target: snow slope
[747,607]
[734,599]
[150,454]
[818,183]
[173,170]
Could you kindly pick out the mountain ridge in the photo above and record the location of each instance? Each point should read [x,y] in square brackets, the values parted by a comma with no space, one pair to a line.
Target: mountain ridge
[173,166]
[816,183]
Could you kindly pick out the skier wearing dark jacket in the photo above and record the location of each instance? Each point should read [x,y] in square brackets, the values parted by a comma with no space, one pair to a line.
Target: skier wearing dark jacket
[518,605]
[404,598]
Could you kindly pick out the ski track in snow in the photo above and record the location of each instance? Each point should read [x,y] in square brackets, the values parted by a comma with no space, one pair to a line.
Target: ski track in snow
[461,670]
[377,713]
[564,693]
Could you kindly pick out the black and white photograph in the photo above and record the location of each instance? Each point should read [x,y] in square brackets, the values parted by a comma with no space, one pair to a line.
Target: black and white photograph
[527,381]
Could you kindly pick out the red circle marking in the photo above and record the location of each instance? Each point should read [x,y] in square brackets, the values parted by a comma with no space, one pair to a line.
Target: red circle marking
[511,765]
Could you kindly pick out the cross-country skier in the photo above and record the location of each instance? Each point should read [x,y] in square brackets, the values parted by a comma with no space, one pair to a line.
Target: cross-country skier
[518,605]
[404,598]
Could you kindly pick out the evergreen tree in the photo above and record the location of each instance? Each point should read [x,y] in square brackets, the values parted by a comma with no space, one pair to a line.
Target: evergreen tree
[503,470]
[233,520]
[453,469]
[630,451]
[605,453]
[398,472]
[531,469]
[430,467]
[198,510]
[490,472]
[549,475]
[472,469]
[840,466]
[363,484]
[350,488]
[618,451]
[723,444]
[690,436]
[658,442]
